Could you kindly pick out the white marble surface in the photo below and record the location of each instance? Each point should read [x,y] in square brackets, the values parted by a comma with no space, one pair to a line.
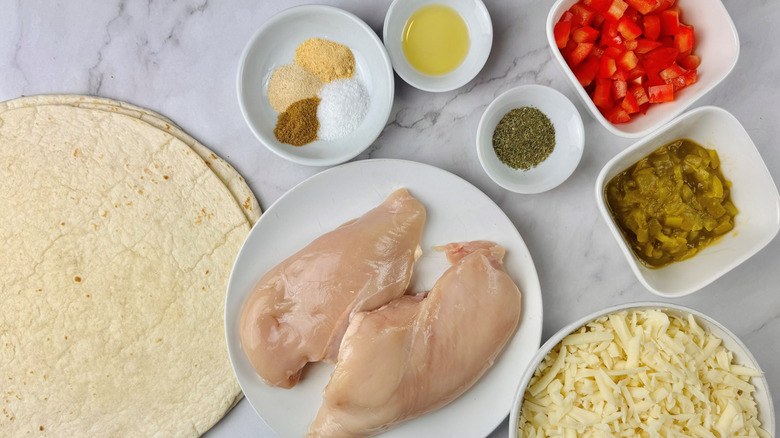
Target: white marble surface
[179,58]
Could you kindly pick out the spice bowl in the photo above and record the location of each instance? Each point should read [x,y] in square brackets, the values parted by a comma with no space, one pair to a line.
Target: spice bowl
[569,139]
[753,192]
[480,29]
[274,45]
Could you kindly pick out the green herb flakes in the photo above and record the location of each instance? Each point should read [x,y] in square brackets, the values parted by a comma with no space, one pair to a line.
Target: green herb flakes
[524,138]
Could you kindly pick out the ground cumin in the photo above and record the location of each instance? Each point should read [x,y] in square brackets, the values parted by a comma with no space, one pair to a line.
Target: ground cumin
[298,125]
[326,59]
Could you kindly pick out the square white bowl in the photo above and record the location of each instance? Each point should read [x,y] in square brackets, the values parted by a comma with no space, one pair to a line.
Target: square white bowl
[753,192]
[717,43]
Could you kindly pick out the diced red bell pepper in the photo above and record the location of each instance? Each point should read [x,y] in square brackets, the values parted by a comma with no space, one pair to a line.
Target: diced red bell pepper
[598,51]
[599,5]
[608,67]
[691,76]
[612,52]
[561,31]
[619,89]
[643,6]
[602,96]
[617,9]
[661,93]
[659,59]
[670,21]
[585,34]
[617,115]
[638,81]
[651,26]
[619,75]
[629,29]
[580,53]
[683,41]
[566,17]
[598,20]
[632,15]
[644,45]
[639,94]
[689,62]
[664,5]
[628,61]
[629,104]
[631,44]
[586,72]
[671,72]
[583,14]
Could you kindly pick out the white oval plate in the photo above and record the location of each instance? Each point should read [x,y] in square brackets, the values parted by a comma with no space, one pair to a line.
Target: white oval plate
[457,211]
[273,46]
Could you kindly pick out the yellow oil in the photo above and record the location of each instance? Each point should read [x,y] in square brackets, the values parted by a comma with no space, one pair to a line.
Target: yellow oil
[435,40]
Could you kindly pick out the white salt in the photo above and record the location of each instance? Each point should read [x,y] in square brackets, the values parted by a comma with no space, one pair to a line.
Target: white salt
[343,106]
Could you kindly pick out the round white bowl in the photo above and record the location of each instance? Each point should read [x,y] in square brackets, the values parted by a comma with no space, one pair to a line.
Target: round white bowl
[274,44]
[742,356]
[569,139]
[477,19]
[717,43]
[753,191]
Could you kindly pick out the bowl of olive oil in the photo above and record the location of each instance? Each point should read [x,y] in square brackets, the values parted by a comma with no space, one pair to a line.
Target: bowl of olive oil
[438,45]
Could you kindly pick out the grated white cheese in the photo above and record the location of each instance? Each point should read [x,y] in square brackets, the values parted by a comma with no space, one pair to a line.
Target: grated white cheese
[640,374]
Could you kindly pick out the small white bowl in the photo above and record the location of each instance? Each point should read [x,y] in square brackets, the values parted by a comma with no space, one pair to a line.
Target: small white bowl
[753,192]
[274,44]
[742,356]
[717,43]
[569,139]
[477,19]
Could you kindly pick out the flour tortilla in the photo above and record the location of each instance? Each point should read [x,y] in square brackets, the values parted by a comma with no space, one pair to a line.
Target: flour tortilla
[118,244]
[224,171]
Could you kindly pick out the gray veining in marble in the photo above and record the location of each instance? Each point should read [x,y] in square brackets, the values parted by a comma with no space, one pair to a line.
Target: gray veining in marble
[180,58]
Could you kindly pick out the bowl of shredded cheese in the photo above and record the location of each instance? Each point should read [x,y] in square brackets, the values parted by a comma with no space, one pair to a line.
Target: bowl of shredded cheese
[643,369]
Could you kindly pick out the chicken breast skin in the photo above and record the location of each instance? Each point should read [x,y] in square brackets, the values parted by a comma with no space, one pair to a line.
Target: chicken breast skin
[416,355]
[298,311]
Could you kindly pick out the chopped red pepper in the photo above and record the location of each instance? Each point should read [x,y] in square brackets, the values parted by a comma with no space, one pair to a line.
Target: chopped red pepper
[661,93]
[683,41]
[583,14]
[585,34]
[689,62]
[639,94]
[586,72]
[643,6]
[599,5]
[619,89]
[628,61]
[561,32]
[580,53]
[629,104]
[617,9]
[670,21]
[644,45]
[651,26]
[608,67]
[629,29]
[617,115]
[659,59]
[602,96]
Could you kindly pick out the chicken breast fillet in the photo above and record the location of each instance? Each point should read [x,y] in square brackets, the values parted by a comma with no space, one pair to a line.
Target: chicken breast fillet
[298,312]
[416,355]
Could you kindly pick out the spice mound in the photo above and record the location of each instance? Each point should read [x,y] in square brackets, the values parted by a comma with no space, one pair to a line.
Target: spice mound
[291,83]
[524,138]
[327,60]
[317,95]
[344,105]
[298,125]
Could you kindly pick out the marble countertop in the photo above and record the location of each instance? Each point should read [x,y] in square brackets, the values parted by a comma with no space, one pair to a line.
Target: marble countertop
[180,59]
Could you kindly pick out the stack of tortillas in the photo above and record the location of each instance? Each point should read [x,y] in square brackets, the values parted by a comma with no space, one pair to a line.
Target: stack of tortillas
[119,232]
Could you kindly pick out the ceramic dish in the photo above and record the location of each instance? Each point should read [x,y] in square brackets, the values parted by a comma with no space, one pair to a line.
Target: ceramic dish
[766,413]
[274,44]
[456,211]
[569,139]
[477,19]
[717,43]
[753,192]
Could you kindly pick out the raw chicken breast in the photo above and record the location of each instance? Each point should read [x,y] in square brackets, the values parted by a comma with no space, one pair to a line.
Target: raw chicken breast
[298,312]
[416,355]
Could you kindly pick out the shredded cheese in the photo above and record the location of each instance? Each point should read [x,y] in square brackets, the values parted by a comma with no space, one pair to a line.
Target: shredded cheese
[640,374]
